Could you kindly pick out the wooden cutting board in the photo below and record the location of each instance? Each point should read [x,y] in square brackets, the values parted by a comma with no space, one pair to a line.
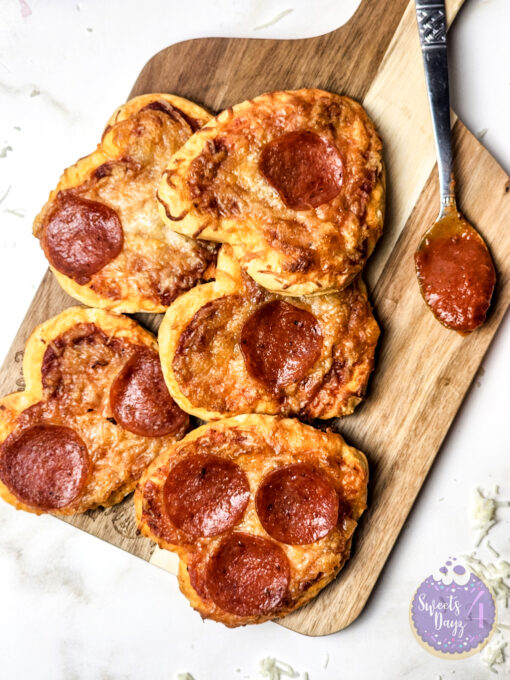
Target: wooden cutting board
[423,370]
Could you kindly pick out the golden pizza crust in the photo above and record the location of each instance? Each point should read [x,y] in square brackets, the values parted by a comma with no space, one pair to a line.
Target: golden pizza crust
[203,364]
[131,107]
[154,265]
[213,189]
[259,444]
[118,457]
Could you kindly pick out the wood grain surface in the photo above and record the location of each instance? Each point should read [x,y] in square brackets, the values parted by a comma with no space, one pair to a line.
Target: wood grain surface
[423,370]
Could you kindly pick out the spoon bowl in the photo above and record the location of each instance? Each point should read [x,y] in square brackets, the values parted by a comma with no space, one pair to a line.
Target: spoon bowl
[455,272]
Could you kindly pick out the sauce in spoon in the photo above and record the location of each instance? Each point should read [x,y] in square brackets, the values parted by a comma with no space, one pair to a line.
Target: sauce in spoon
[455,273]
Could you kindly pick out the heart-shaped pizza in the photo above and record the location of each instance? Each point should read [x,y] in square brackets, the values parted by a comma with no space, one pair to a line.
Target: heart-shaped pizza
[261,511]
[100,229]
[293,180]
[230,346]
[94,413]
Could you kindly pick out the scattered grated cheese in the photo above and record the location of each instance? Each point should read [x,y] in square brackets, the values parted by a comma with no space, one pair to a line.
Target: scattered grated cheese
[484,511]
[495,574]
[493,550]
[184,676]
[275,670]
[17,212]
[5,195]
[493,653]
[274,21]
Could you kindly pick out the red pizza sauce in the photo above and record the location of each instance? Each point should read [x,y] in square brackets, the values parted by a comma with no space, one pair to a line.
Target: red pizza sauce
[456,275]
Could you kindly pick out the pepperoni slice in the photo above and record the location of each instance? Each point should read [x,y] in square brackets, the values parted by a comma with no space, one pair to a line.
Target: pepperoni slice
[305,169]
[248,575]
[140,400]
[297,504]
[280,343]
[206,495]
[81,237]
[46,466]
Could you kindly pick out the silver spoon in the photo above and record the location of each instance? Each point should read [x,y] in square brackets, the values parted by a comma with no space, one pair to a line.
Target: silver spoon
[453,264]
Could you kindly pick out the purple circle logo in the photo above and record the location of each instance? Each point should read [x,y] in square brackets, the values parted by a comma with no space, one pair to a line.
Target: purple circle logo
[453,612]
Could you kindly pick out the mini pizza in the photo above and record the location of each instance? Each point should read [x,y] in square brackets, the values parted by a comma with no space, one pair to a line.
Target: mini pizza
[95,412]
[230,347]
[261,511]
[293,180]
[100,229]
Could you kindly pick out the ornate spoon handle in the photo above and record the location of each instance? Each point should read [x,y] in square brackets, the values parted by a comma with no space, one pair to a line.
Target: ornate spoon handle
[431,15]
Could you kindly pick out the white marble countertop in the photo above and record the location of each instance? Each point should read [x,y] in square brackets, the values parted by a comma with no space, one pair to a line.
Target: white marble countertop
[77,608]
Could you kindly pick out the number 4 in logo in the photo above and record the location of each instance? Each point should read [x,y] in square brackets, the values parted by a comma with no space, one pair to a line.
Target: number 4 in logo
[479,618]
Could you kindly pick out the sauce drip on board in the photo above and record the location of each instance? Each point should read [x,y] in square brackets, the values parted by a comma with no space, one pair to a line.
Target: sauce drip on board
[456,274]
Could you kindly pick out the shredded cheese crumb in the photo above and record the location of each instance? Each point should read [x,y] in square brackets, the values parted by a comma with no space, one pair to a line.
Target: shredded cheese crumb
[184,676]
[493,550]
[275,670]
[495,574]
[484,512]
[17,212]
[5,195]
[493,653]
[276,19]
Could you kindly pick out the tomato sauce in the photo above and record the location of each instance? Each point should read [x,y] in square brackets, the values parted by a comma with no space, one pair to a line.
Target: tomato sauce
[456,275]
